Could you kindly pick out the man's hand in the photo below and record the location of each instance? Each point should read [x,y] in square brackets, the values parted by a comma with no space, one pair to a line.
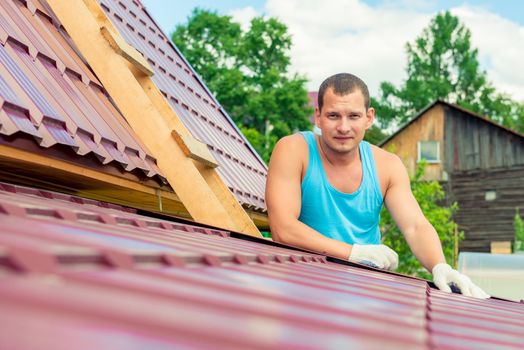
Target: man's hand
[377,254]
[443,275]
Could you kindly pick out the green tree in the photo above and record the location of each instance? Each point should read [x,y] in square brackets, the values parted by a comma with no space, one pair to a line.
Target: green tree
[518,224]
[428,194]
[442,64]
[374,135]
[248,71]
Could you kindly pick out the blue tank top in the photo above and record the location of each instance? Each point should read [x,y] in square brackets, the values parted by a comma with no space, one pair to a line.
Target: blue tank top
[348,217]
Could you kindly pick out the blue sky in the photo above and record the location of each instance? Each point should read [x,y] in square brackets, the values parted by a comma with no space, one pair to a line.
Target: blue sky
[368,37]
[169,13]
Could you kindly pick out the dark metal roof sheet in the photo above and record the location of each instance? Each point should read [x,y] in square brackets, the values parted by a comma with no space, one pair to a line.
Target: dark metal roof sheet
[240,166]
[48,93]
[82,273]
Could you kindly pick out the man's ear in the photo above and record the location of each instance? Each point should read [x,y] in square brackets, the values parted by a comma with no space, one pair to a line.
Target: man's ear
[317,117]
[370,114]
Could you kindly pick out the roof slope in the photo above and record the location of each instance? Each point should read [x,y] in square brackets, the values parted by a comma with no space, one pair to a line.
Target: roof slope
[81,273]
[50,97]
[240,166]
[450,105]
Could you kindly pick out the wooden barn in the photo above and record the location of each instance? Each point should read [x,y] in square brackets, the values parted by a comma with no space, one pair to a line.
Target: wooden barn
[479,163]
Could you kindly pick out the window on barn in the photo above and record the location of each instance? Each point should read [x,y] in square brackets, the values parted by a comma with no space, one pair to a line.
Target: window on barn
[429,150]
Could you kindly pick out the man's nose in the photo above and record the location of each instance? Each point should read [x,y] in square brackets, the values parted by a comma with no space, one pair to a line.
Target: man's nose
[344,125]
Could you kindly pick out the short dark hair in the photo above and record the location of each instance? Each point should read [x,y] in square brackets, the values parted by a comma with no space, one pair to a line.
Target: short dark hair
[343,83]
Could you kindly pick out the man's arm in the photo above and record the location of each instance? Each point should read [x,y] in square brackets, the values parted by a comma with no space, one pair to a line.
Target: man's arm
[283,200]
[405,211]
[420,234]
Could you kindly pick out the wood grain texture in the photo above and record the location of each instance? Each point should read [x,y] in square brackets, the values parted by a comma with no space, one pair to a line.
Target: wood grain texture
[200,195]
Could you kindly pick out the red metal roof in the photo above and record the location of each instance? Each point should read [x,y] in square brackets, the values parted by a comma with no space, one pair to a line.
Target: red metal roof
[77,273]
[49,95]
[240,166]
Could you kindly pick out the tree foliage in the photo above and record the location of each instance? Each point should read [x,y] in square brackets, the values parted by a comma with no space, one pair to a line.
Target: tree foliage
[442,64]
[428,194]
[374,135]
[518,224]
[248,71]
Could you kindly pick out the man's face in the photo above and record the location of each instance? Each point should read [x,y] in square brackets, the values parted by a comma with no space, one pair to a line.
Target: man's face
[343,121]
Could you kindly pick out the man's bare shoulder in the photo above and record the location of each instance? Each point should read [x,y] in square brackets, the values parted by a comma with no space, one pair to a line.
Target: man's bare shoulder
[389,166]
[295,142]
[290,153]
[385,158]
[291,147]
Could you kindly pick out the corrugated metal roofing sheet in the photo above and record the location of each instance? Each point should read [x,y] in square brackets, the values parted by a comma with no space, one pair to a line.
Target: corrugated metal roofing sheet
[240,166]
[81,273]
[49,94]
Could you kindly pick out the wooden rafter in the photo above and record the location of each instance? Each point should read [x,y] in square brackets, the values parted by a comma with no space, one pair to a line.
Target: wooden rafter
[198,186]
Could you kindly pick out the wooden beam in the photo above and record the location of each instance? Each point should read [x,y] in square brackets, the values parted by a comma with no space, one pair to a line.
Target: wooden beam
[260,219]
[242,221]
[30,169]
[199,187]
[127,51]
[195,149]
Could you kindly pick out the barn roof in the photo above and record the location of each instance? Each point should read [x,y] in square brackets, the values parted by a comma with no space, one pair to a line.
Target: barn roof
[450,105]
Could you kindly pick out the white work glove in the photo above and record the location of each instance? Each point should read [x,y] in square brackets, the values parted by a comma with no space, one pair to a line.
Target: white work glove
[443,275]
[374,254]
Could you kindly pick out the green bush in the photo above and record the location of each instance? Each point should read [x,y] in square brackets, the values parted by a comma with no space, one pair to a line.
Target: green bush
[518,224]
[428,194]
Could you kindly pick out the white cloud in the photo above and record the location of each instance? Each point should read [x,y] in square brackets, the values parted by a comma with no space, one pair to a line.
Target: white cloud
[244,16]
[501,46]
[348,36]
[331,36]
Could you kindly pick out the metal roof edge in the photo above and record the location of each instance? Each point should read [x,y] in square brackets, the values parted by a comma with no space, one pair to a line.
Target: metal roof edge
[270,242]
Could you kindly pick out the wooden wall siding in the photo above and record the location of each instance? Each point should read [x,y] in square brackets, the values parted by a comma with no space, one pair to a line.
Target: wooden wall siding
[429,127]
[485,221]
[472,143]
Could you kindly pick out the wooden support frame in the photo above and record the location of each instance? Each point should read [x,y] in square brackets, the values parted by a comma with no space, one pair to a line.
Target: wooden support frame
[127,51]
[199,187]
[195,149]
[26,168]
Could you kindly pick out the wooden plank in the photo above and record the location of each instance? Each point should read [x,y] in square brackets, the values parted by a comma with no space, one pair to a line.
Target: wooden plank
[202,193]
[127,51]
[485,147]
[429,127]
[485,221]
[503,247]
[22,167]
[479,144]
[261,220]
[241,220]
[195,149]
[449,140]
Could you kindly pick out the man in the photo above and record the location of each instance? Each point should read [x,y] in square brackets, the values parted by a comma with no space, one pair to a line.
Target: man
[325,192]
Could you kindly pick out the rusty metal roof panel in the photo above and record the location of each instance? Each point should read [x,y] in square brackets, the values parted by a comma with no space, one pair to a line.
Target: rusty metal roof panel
[49,93]
[240,166]
[107,275]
